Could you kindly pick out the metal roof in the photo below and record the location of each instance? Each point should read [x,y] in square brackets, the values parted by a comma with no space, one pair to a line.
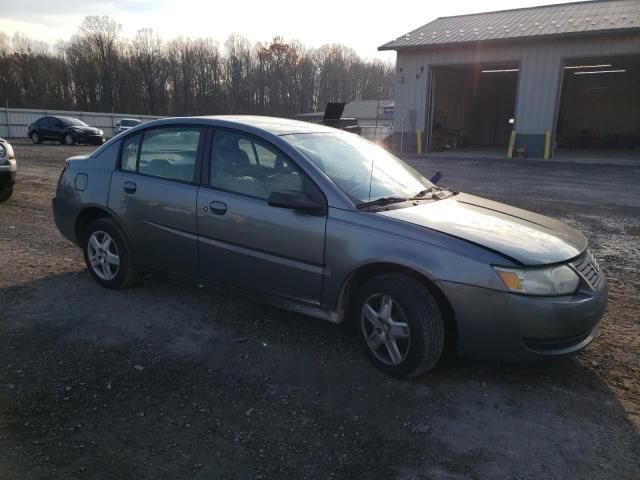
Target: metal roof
[550,20]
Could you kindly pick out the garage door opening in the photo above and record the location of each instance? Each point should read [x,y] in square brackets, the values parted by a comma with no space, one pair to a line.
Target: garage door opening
[472,108]
[599,111]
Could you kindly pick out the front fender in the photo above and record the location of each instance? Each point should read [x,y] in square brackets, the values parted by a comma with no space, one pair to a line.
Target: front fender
[355,240]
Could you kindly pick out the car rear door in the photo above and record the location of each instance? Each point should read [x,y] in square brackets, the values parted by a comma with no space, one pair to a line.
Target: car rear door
[243,241]
[153,193]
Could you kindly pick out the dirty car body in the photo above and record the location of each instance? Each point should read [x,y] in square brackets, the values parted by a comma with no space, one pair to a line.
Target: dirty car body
[269,206]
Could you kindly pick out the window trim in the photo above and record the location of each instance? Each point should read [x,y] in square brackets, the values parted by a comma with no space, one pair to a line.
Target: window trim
[208,160]
[204,130]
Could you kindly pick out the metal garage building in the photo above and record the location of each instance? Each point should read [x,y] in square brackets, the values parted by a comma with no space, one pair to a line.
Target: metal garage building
[524,81]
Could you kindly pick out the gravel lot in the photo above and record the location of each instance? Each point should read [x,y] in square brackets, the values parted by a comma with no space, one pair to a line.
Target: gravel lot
[168,380]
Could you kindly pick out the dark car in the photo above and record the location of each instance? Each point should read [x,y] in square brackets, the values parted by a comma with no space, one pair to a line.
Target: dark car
[333,118]
[325,223]
[7,170]
[66,130]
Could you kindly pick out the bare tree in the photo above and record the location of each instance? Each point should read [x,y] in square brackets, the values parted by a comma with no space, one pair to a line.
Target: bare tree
[96,70]
[100,37]
[146,51]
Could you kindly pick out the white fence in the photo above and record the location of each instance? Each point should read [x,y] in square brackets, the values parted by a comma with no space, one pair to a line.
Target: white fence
[14,122]
[374,133]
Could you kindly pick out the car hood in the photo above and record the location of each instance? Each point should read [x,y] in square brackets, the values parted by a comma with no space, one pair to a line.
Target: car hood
[526,237]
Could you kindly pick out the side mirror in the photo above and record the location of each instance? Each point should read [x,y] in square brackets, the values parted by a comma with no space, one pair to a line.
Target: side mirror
[117,124]
[294,200]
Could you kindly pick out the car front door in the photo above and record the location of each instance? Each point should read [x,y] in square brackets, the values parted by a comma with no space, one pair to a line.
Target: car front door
[45,128]
[245,242]
[153,193]
[56,129]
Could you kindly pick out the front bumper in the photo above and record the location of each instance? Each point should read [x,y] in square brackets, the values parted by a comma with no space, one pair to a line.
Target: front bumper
[504,326]
[91,139]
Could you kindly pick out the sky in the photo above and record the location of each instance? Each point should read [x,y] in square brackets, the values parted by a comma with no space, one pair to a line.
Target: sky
[360,25]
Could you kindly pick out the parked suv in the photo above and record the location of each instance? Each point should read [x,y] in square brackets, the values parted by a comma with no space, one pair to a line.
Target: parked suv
[8,169]
[325,223]
[67,130]
[126,123]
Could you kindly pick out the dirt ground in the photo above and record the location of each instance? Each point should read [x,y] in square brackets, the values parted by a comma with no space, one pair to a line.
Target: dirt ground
[169,380]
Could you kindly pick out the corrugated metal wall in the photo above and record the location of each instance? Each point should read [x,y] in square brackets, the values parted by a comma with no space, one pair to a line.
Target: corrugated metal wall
[15,121]
[539,78]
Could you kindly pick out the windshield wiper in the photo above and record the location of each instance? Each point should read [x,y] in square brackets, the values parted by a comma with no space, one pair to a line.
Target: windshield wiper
[381,202]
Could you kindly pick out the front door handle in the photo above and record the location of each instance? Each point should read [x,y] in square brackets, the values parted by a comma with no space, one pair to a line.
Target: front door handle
[129,187]
[218,208]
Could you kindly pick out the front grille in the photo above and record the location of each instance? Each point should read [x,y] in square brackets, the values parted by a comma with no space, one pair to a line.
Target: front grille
[588,268]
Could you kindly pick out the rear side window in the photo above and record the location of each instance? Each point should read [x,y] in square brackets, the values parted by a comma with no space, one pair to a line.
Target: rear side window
[170,153]
[130,149]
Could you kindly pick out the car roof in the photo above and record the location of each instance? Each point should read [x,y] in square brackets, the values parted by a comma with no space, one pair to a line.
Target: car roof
[273,125]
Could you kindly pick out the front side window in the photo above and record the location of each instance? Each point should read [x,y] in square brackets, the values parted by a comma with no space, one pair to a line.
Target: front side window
[169,152]
[363,170]
[244,165]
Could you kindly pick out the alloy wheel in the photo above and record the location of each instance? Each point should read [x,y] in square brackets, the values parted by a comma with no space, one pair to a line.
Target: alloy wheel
[385,328]
[68,139]
[103,255]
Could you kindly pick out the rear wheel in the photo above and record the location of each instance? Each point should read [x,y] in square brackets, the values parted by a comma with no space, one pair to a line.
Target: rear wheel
[401,327]
[5,193]
[107,254]
[35,138]
[69,140]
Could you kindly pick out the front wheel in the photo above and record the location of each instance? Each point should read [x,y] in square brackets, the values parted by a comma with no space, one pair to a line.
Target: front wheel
[35,138]
[5,193]
[69,140]
[107,254]
[401,327]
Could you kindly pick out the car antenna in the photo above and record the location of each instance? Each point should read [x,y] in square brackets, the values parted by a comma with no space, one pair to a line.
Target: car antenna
[373,159]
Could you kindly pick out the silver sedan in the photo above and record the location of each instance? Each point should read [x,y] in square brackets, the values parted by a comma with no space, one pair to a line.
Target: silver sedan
[325,223]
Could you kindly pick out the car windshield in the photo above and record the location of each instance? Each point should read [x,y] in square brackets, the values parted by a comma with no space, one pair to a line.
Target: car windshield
[348,160]
[129,123]
[70,121]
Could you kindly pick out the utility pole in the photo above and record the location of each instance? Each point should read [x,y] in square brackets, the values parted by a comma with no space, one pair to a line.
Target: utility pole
[378,107]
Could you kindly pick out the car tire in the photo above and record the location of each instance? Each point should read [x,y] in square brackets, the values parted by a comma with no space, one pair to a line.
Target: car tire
[5,193]
[395,309]
[35,138]
[69,139]
[108,255]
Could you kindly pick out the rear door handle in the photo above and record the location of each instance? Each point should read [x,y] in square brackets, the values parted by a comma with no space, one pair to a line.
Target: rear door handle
[129,187]
[218,208]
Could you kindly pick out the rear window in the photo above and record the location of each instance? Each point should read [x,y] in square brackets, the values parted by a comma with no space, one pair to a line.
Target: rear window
[170,153]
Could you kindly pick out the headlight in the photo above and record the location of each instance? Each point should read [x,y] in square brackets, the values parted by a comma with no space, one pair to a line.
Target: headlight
[560,280]
[100,132]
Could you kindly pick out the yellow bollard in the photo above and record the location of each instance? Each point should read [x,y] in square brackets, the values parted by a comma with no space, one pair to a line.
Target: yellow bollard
[419,141]
[547,144]
[512,142]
